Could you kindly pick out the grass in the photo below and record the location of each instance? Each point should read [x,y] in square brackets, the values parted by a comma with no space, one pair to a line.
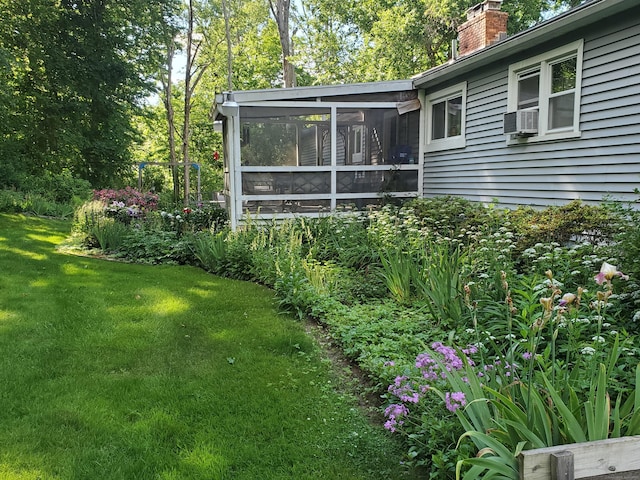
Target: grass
[118,371]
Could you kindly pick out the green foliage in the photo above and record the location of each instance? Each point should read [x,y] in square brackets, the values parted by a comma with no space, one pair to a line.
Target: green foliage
[52,195]
[574,221]
[202,218]
[154,247]
[109,233]
[541,371]
[627,250]
[62,188]
[75,72]
[11,201]
[401,274]
[211,251]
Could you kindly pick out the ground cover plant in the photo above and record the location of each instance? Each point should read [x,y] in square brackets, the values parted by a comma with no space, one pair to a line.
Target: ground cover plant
[112,370]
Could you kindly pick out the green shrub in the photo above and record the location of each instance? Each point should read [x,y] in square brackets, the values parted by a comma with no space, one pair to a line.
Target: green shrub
[204,218]
[156,247]
[11,201]
[211,251]
[573,222]
[62,188]
[109,234]
[448,216]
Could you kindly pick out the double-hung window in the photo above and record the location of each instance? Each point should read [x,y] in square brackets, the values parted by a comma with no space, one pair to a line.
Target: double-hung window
[446,111]
[550,85]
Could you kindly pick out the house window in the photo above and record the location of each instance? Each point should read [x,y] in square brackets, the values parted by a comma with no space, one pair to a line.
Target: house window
[446,118]
[550,84]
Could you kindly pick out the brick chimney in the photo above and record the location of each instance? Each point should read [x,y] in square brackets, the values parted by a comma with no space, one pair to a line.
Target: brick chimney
[485,25]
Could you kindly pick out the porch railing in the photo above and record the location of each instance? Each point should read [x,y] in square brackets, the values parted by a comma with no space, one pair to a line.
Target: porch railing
[312,190]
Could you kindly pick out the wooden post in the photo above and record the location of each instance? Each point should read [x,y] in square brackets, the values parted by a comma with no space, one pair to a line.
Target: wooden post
[562,466]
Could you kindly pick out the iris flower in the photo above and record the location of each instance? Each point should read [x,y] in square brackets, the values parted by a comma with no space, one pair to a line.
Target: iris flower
[607,272]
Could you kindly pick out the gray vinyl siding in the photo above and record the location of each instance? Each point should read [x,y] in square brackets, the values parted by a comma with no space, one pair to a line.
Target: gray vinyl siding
[604,161]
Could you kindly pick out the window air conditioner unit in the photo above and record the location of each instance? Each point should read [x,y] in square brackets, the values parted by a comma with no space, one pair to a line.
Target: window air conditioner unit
[521,122]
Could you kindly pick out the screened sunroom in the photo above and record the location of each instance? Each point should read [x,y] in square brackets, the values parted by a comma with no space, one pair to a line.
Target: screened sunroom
[312,150]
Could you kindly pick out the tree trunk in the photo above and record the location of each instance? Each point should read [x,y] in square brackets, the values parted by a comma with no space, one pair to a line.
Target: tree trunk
[168,92]
[187,105]
[280,11]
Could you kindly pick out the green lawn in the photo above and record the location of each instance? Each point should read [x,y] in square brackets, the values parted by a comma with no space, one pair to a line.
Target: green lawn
[118,371]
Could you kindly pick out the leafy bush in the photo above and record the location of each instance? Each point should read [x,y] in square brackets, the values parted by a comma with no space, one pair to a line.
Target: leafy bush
[211,251]
[155,247]
[61,188]
[53,195]
[201,218]
[573,222]
[109,234]
[85,220]
[128,197]
[11,201]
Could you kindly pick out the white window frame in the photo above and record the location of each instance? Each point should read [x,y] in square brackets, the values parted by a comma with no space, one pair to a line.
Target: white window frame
[544,63]
[457,141]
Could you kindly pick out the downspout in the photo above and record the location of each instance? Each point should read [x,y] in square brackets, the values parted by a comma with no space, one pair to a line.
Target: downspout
[231,111]
[334,155]
[422,139]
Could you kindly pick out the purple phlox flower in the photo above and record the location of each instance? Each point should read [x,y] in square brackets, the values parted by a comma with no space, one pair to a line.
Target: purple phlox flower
[470,350]
[404,389]
[527,355]
[424,360]
[451,359]
[454,400]
[427,366]
[395,412]
[390,363]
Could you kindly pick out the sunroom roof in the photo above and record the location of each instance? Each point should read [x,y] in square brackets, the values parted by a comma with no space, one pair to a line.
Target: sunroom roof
[317,93]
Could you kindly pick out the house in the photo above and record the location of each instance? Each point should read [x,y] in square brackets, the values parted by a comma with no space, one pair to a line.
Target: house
[546,116]
[543,117]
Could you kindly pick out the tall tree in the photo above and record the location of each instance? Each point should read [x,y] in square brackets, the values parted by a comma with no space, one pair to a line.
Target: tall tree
[355,40]
[79,69]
